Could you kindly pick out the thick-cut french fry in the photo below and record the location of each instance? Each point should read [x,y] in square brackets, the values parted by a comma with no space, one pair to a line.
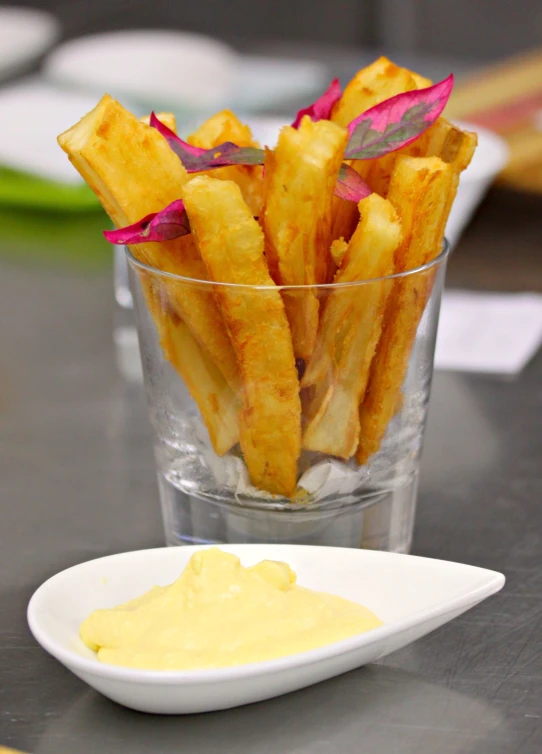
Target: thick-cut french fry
[442,139]
[338,250]
[454,146]
[222,127]
[300,177]
[134,172]
[232,243]
[351,323]
[379,170]
[422,82]
[218,405]
[168,119]
[418,190]
[370,86]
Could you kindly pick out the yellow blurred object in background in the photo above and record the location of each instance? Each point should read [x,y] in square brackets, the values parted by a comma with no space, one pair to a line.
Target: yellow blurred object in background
[507,98]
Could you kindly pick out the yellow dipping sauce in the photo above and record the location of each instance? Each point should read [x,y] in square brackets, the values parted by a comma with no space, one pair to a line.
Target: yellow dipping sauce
[219,613]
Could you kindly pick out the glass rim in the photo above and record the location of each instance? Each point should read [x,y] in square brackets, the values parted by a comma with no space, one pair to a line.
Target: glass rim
[446,248]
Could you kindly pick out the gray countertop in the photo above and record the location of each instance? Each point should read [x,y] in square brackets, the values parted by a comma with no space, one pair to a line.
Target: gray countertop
[77,481]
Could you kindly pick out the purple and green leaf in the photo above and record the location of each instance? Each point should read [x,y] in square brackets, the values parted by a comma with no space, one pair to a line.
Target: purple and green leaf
[397,121]
[196,159]
[350,185]
[170,222]
[321,109]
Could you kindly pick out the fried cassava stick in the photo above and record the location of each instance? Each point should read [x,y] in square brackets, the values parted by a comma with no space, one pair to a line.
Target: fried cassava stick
[133,172]
[232,245]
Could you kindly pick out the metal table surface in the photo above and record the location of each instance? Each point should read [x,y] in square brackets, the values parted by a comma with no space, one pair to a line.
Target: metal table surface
[77,481]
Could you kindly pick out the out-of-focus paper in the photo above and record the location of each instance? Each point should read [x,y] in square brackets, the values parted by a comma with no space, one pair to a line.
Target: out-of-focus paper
[492,333]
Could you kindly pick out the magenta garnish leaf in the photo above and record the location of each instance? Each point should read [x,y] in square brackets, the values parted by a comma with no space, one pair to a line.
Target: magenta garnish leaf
[350,185]
[321,109]
[196,159]
[170,222]
[397,121]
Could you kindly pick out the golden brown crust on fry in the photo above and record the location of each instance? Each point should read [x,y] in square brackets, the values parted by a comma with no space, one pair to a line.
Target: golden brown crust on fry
[225,126]
[220,127]
[442,139]
[336,376]
[231,243]
[168,119]
[410,295]
[370,86]
[216,401]
[338,250]
[418,190]
[134,172]
[300,178]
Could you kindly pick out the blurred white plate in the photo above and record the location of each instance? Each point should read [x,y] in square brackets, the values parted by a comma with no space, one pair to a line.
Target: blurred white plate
[412,595]
[25,34]
[149,67]
[178,70]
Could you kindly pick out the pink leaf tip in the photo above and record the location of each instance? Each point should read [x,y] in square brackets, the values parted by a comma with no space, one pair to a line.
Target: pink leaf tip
[170,222]
[350,185]
[321,109]
[196,159]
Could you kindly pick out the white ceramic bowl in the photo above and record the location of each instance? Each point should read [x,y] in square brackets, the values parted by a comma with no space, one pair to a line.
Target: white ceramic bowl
[411,595]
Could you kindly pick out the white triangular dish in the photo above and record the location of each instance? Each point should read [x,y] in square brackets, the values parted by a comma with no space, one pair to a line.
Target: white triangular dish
[412,595]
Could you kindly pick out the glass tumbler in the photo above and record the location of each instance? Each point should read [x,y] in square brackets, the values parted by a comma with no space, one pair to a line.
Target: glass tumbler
[255,445]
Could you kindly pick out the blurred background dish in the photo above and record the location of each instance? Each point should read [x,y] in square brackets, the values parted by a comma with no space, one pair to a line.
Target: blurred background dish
[33,170]
[188,73]
[25,34]
[153,68]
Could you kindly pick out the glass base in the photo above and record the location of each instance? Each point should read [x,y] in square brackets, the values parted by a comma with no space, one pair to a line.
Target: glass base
[379,520]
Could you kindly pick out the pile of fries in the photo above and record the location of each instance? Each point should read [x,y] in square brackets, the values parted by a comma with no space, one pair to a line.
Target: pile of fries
[280,369]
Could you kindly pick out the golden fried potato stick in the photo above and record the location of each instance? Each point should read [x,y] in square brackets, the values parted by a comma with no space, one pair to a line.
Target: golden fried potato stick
[369,87]
[422,82]
[300,178]
[232,244]
[225,126]
[168,119]
[379,170]
[215,399]
[132,170]
[220,127]
[442,139]
[338,250]
[454,146]
[350,327]
[419,191]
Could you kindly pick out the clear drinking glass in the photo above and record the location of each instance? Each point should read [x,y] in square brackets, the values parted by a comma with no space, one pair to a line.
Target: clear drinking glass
[124,327]
[372,359]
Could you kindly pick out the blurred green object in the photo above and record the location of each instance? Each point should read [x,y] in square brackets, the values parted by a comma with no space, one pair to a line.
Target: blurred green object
[48,238]
[18,189]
